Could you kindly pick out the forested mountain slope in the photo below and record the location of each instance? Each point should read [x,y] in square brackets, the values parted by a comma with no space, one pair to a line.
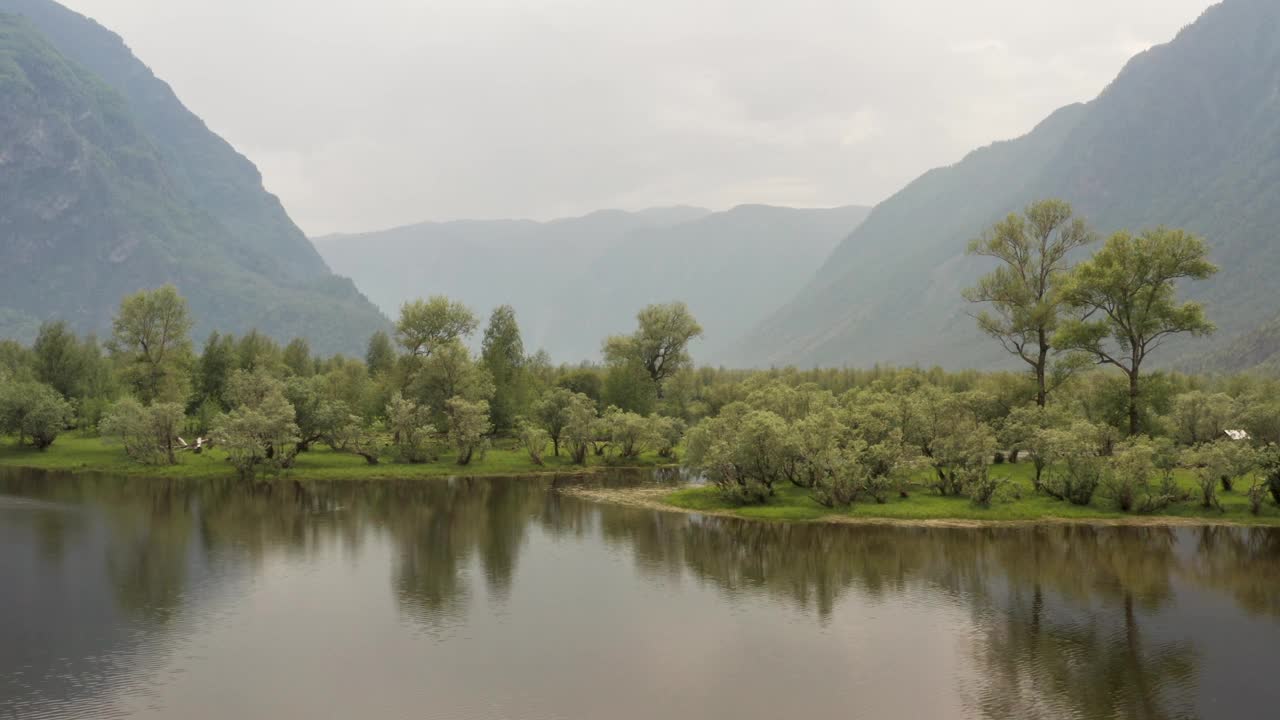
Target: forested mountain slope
[1187,135]
[574,281]
[108,184]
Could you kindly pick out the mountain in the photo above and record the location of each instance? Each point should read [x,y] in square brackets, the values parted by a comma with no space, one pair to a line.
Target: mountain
[108,184]
[575,281]
[1187,135]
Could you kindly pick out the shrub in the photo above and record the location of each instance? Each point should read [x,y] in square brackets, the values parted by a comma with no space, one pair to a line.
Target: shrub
[534,439]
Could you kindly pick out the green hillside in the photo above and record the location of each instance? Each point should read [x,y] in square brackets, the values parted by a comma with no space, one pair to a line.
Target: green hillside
[96,202]
[1187,135]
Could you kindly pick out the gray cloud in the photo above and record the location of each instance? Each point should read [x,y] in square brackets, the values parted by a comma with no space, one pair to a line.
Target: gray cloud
[369,114]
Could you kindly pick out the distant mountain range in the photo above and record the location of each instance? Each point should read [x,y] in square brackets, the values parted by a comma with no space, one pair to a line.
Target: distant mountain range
[1188,135]
[576,280]
[108,184]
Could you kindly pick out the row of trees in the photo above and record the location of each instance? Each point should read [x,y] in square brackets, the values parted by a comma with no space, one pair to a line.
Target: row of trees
[903,434]
[1123,435]
[416,392]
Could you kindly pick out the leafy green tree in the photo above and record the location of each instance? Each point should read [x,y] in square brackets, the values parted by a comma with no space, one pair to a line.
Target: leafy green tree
[534,439]
[150,336]
[1024,292]
[426,325]
[1201,417]
[659,346]
[502,353]
[257,351]
[580,426]
[297,358]
[469,427]
[1076,468]
[33,411]
[60,361]
[380,356]
[743,452]
[552,412]
[585,381]
[1127,294]
[259,434]
[630,433]
[411,429]
[450,372]
[148,434]
[213,370]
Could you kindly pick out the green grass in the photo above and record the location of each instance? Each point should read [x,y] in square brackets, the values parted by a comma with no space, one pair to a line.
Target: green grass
[791,503]
[75,454]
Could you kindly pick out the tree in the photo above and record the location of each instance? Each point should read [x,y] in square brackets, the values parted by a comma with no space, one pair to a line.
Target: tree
[257,435]
[411,428]
[1201,417]
[580,426]
[297,358]
[60,361]
[213,370]
[468,427]
[425,325]
[256,351]
[150,334]
[147,433]
[1024,293]
[534,439]
[551,412]
[502,353]
[745,453]
[34,411]
[380,356]
[1127,297]
[660,345]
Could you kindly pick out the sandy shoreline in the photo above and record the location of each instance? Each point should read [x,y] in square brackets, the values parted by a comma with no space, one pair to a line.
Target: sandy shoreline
[653,498]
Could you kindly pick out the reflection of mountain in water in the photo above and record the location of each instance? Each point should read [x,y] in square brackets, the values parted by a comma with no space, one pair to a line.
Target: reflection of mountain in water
[1068,621]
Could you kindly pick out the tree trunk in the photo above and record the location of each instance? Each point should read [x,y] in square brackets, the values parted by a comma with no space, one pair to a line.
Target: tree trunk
[1042,392]
[1133,403]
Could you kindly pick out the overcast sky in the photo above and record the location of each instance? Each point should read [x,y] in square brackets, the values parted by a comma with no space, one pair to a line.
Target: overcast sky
[369,114]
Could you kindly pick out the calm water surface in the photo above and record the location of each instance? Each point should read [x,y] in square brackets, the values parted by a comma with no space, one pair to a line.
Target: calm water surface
[475,599]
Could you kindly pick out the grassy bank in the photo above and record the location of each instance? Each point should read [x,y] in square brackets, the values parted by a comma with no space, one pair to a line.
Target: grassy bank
[91,454]
[1024,505]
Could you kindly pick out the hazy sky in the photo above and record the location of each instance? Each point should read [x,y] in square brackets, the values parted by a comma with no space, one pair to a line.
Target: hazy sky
[369,114]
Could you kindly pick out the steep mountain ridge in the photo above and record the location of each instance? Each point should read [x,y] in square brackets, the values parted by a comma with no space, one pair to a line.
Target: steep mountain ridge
[93,207]
[574,281]
[1187,135]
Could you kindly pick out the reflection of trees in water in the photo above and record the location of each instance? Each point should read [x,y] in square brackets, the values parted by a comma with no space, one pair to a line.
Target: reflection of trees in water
[1062,612]
[1066,637]
[1242,563]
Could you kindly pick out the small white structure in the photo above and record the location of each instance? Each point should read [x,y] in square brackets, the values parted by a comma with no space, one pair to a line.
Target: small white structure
[1237,434]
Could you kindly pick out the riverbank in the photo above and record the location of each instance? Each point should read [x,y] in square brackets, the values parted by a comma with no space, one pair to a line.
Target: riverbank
[78,454]
[1023,507]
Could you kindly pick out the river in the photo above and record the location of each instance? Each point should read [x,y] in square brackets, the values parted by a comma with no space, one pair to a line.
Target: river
[478,599]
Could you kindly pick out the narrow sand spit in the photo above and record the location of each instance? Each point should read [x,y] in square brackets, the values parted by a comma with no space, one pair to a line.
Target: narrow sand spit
[653,498]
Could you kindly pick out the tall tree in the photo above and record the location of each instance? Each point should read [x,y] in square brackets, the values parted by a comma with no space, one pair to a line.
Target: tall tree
[425,325]
[213,370]
[660,345]
[151,333]
[1024,292]
[60,361]
[502,352]
[380,356]
[297,358]
[1127,297]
